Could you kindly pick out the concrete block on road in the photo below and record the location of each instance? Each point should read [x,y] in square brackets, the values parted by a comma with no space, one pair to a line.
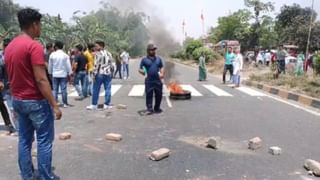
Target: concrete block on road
[113,137]
[160,154]
[255,143]
[313,166]
[121,106]
[214,142]
[275,150]
[65,136]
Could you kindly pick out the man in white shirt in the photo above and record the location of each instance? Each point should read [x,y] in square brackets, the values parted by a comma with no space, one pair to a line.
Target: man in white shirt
[125,64]
[60,68]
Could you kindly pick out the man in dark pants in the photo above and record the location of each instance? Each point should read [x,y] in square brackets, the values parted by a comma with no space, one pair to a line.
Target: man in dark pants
[281,56]
[3,88]
[152,68]
[229,57]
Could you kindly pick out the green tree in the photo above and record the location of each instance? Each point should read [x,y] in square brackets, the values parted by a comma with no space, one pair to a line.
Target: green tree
[259,7]
[292,26]
[8,23]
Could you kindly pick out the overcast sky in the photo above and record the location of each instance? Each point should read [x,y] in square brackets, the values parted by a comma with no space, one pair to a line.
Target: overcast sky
[173,12]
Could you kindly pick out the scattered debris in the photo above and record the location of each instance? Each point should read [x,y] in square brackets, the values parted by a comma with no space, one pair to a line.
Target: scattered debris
[214,142]
[313,166]
[114,137]
[310,173]
[275,150]
[187,170]
[255,143]
[160,154]
[122,106]
[65,136]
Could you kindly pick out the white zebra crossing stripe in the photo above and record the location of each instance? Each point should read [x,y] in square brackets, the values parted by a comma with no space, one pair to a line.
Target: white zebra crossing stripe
[73,93]
[114,90]
[193,91]
[137,90]
[250,91]
[217,91]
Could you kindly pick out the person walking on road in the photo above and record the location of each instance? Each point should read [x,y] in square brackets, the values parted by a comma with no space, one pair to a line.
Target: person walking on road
[152,67]
[229,57]
[89,54]
[237,68]
[60,69]
[125,57]
[32,96]
[102,75]
[79,68]
[202,69]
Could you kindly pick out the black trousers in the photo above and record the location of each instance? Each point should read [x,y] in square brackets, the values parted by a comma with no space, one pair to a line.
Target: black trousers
[118,69]
[4,113]
[154,87]
[227,67]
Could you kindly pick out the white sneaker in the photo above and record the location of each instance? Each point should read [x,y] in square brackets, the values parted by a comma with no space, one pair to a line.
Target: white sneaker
[105,107]
[92,107]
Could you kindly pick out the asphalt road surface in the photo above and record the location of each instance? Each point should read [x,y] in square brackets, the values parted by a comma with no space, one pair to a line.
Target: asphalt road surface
[236,115]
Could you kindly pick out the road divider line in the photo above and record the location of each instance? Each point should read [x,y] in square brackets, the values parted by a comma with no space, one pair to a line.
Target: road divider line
[137,90]
[166,93]
[250,91]
[193,91]
[115,89]
[217,91]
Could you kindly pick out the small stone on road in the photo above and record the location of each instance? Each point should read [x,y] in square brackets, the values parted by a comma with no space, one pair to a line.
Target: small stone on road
[160,154]
[114,137]
[313,166]
[255,143]
[275,150]
[65,136]
[214,142]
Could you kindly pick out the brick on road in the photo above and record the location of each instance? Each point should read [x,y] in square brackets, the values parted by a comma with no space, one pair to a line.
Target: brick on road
[275,150]
[122,106]
[214,142]
[65,136]
[113,137]
[160,154]
[313,166]
[255,143]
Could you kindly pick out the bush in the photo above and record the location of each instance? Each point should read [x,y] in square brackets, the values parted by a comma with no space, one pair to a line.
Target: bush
[190,45]
[180,55]
[208,54]
[316,61]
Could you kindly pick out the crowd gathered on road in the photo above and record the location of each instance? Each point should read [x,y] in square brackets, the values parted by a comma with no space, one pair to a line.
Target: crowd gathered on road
[32,78]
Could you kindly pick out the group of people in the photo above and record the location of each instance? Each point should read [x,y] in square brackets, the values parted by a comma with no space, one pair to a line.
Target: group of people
[87,68]
[36,78]
[234,64]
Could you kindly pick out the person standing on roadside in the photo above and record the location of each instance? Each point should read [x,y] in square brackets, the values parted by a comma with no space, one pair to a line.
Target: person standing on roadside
[32,96]
[118,66]
[152,67]
[125,57]
[89,54]
[229,57]
[281,56]
[4,91]
[102,75]
[60,68]
[79,68]
[300,64]
[202,69]
[237,68]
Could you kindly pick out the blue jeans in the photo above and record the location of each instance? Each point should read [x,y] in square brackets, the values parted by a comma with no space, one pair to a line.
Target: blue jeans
[236,79]
[153,88]
[62,83]
[80,83]
[89,84]
[106,81]
[35,116]
[125,68]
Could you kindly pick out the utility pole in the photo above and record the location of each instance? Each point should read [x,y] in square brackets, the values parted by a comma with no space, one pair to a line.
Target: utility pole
[310,28]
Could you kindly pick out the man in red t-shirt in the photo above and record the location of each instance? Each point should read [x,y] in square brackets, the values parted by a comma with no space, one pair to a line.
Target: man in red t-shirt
[32,96]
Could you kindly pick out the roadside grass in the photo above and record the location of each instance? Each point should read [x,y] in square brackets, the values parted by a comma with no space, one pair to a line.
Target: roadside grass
[299,84]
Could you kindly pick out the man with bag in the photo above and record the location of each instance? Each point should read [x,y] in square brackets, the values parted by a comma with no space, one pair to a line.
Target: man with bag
[103,71]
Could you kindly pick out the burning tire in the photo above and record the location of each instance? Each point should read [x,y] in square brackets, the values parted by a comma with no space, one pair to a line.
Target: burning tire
[185,95]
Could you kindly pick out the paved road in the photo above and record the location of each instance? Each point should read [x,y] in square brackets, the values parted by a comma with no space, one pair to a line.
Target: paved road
[216,110]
